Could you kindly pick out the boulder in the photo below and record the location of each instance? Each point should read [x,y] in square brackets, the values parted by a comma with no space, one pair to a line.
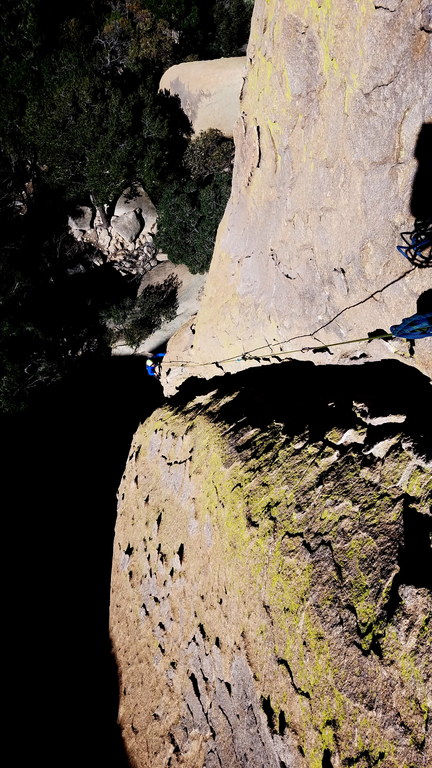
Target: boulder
[128,226]
[75,231]
[82,219]
[188,297]
[136,198]
[104,239]
[130,230]
[209,91]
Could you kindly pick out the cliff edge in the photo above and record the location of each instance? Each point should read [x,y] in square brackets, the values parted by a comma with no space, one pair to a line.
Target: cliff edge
[333,152]
[271,585]
[271,582]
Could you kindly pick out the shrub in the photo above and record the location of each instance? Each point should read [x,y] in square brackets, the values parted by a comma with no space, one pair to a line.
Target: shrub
[133,320]
[188,219]
[210,153]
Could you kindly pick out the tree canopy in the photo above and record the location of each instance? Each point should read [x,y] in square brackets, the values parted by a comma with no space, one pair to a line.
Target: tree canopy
[80,86]
[81,119]
[190,210]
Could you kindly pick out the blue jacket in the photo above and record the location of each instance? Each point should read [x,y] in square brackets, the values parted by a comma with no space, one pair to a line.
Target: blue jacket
[151,364]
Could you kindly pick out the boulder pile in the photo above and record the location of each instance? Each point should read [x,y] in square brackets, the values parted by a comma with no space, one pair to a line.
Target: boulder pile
[124,238]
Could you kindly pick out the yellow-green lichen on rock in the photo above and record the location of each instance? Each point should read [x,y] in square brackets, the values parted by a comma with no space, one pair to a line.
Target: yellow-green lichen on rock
[260,606]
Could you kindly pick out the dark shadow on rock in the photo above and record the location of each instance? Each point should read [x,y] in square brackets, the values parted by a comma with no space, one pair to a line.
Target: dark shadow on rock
[304,396]
[421,198]
[64,464]
[424,302]
[416,556]
[304,399]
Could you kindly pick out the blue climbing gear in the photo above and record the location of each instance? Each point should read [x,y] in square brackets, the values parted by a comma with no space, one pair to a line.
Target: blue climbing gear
[414,327]
[418,248]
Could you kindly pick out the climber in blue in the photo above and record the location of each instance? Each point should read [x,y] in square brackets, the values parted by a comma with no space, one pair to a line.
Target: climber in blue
[153,365]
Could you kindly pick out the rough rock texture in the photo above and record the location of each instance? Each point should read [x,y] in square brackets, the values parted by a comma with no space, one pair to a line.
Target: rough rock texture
[271,582]
[189,295]
[335,98]
[128,226]
[126,240]
[209,91]
[135,198]
[82,220]
[271,573]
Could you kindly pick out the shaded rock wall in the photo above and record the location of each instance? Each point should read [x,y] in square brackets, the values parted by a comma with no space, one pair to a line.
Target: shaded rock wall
[271,573]
[329,170]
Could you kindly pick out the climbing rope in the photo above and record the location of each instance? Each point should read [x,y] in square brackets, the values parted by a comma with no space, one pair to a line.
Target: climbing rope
[250,356]
[414,327]
[418,248]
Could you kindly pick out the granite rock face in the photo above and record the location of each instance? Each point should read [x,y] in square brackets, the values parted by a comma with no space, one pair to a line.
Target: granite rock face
[271,582]
[332,157]
[271,585]
[209,91]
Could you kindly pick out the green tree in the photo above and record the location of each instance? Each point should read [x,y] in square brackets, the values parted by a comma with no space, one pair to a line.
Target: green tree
[132,37]
[81,109]
[231,20]
[209,153]
[92,134]
[188,220]
[206,28]
[190,210]
[48,323]
[134,319]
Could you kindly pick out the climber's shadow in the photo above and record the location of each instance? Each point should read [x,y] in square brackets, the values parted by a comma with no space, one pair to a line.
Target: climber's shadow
[424,302]
[417,246]
[421,198]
